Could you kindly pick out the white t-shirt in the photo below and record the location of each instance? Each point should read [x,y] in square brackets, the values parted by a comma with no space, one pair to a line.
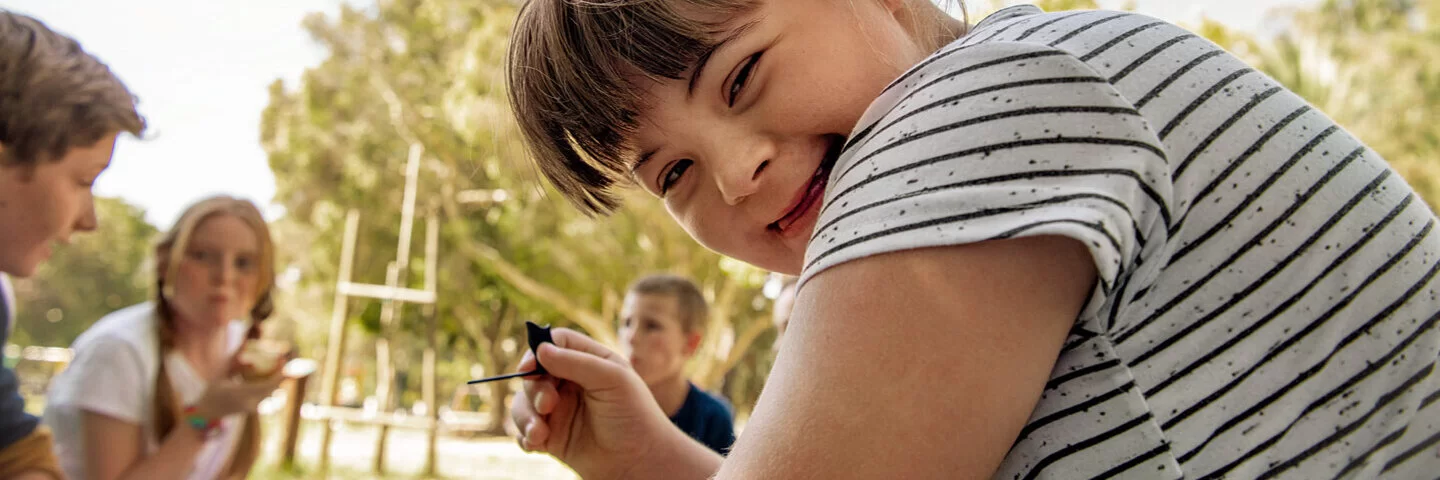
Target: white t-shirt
[1266,303]
[113,374]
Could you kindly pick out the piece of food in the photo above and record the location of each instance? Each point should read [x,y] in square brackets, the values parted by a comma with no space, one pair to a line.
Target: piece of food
[261,359]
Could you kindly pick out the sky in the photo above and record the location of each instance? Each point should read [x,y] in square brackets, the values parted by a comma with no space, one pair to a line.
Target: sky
[201,69]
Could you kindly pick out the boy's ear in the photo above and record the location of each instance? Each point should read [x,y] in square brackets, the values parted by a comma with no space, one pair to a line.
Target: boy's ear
[692,343]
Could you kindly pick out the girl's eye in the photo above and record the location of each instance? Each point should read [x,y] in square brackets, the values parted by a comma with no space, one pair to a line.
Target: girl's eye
[742,77]
[669,177]
[243,264]
[198,255]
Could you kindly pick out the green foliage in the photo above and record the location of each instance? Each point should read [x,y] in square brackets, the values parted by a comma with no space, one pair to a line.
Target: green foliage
[1058,5]
[370,317]
[428,74]
[98,273]
[985,7]
[1370,65]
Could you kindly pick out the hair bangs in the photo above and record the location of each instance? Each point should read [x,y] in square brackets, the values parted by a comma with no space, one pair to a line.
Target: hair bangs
[575,74]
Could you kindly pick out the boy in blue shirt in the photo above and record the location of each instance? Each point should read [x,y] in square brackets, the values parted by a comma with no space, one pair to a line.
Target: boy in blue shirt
[661,324]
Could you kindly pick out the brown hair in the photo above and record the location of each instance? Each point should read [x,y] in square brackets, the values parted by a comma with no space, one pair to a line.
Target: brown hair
[55,96]
[694,312]
[574,73]
[168,254]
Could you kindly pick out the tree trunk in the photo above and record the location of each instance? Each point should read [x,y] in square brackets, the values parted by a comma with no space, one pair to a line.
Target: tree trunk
[486,256]
[709,355]
[384,377]
[743,341]
[499,411]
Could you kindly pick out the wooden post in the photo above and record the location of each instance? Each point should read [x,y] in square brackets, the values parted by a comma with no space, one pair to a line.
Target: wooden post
[391,308]
[384,373]
[335,349]
[294,399]
[432,406]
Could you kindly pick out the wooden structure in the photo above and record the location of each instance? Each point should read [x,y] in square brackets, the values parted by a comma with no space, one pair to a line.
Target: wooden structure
[393,296]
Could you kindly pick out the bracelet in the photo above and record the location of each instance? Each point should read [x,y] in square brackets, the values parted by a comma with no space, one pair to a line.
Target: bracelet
[207,427]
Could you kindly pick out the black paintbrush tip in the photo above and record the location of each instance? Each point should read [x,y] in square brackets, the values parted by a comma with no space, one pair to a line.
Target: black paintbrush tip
[537,335]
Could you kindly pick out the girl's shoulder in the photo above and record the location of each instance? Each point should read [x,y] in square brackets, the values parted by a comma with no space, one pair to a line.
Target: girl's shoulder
[1008,13]
[1028,23]
[134,326]
[1106,40]
[1019,48]
[114,365]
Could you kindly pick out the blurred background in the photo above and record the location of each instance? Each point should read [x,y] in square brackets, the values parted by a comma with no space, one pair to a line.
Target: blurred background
[314,109]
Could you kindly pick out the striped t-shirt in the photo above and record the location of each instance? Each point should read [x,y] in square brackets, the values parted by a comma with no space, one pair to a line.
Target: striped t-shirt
[1266,302]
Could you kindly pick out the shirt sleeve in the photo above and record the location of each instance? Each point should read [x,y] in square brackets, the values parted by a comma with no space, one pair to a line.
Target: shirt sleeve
[109,379]
[720,432]
[996,141]
[15,424]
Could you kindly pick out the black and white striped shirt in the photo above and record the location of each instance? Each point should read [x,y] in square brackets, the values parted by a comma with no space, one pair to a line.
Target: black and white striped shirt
[1266,304]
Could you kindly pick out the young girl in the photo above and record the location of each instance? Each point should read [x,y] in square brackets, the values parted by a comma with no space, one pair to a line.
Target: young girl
[1079,245]
[150,393]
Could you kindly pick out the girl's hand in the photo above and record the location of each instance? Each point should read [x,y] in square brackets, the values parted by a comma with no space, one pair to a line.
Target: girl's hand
[591,411]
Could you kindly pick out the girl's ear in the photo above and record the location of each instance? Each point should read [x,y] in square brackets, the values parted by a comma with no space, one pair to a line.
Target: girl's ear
[692,343]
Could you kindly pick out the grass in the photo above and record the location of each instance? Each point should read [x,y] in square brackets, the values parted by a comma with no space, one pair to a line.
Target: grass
[496,458]
[352,452]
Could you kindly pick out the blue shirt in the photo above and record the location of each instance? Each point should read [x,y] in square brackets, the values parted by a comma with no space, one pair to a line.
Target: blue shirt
[707,419]
[15,424]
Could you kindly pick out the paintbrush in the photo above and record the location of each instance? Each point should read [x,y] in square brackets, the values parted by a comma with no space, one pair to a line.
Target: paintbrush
[536,335]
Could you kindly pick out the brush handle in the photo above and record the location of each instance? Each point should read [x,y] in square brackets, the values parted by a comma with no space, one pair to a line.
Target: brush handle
[536,335]
[502,377]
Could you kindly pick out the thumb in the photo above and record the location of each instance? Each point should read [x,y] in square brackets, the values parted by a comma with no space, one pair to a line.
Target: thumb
[585,369]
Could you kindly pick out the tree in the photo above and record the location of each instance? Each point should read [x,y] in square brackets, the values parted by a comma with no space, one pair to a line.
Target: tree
[427,75]
[98,273]
[1369,64]
[986,7]
[1058,5]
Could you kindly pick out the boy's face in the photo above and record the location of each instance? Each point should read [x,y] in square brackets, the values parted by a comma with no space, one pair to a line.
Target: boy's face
[741,159]
[653,337]
[45,204]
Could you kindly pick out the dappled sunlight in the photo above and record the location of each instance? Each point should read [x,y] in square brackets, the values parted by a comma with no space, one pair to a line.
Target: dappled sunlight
[398,164]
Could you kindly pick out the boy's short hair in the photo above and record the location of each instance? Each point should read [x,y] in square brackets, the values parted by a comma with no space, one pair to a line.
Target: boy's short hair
[573,72]
[55,96]
[694,312]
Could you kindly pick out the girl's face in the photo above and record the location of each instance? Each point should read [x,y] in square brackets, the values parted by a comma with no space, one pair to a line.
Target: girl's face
[740,151]
[218,278]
